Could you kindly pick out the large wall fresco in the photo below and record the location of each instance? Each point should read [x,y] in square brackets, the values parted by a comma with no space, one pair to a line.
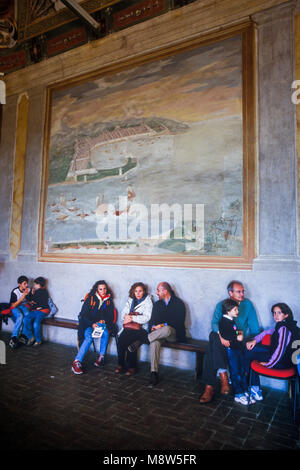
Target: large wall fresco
[149,159]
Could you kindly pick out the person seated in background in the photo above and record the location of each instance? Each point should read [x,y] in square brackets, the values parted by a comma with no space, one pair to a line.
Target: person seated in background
[19,308]
[135,315]
[215,363]
[39,306]
[97,311]
[279,354]
[167,323]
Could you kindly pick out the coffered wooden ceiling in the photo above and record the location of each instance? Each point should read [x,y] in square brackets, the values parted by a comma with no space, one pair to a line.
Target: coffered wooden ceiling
[34,30]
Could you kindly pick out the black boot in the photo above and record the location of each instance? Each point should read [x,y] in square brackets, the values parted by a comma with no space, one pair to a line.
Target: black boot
[153,378]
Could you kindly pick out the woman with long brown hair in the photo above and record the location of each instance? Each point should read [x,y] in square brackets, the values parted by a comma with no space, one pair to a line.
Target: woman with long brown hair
[135,315]
[98,310]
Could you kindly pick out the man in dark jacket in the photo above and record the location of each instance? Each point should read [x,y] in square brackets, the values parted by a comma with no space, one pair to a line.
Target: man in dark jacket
[166,323]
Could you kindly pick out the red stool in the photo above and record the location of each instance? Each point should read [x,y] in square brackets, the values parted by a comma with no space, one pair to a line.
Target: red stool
[290,374]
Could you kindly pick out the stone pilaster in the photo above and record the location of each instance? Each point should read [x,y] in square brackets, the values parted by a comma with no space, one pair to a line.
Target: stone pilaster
[277,166]
[34,161]
[8,134]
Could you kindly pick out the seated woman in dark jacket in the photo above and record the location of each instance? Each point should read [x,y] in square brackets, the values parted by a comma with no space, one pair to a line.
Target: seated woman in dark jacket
[98,310]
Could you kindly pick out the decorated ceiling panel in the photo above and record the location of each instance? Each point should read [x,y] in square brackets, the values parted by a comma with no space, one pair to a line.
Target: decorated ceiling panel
[34,30]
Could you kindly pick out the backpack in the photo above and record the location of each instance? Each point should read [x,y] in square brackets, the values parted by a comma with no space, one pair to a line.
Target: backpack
[52,306]
[4,312]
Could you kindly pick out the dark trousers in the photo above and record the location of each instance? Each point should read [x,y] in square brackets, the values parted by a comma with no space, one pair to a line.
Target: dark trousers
[215,358]
[258,353]
[236,360]
[125,339]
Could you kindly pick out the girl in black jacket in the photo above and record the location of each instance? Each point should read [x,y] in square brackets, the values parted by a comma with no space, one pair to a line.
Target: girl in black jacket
[279,354]
[98,310]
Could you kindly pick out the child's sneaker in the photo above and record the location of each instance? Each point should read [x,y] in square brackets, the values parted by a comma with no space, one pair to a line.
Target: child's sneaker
[242,399]
[251,399]
[30,341]
[13,343]
[76,367]
[23,339]
[256,394]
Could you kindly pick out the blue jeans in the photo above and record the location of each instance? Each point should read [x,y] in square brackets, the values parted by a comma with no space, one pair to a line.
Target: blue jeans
[236,360]
[34,319]
[17,315]
[85,346]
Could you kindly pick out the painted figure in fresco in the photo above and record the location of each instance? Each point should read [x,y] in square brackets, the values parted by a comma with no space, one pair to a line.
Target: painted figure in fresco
[167,323]
[216,357]
[135,315]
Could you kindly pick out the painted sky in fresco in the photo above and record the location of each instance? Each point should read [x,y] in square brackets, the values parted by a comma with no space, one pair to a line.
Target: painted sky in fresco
[188,87]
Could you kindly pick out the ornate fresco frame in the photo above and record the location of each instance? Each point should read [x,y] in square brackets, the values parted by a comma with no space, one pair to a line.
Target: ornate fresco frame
[247,32]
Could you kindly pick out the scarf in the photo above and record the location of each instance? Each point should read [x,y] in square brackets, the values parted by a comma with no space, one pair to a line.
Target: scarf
[136,302]
[102,299]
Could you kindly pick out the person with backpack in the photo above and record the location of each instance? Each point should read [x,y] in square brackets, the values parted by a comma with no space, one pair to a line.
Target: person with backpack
[39,304]
[19,308]
[98,310]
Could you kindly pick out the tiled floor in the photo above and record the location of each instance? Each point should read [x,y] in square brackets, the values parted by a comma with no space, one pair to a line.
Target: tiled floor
[45,406]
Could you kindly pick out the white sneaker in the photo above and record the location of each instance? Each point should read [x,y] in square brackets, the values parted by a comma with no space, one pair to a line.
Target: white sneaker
[251,399]
[256,394]
[243,400]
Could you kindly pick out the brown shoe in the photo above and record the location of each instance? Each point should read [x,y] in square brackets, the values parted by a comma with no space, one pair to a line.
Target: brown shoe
[130,371]
[225,388]
[118,369]
[208,394]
